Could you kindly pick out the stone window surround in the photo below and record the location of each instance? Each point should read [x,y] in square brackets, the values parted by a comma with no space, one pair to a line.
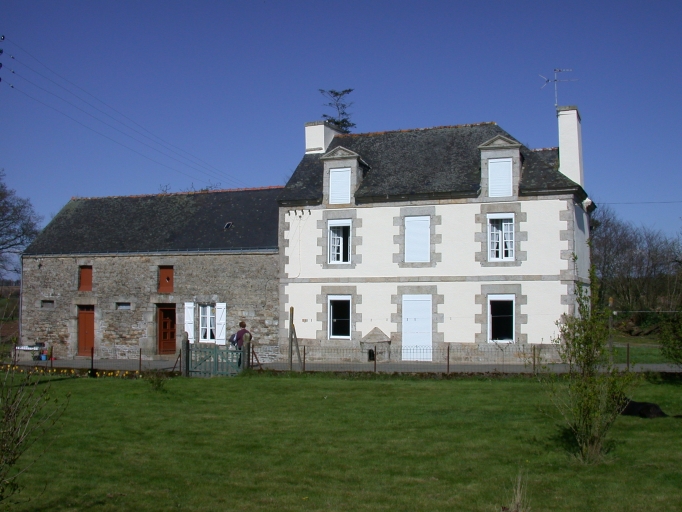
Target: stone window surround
[323,313]
[437,318]
[483,236]
[355,240]
[519,318]
[399,239]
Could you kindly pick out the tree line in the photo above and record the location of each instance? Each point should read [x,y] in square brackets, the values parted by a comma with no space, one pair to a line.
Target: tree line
[639,269]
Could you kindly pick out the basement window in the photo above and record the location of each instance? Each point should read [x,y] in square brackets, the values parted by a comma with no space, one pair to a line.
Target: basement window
[123,305]
[46,304]
[501,324]
[339,316]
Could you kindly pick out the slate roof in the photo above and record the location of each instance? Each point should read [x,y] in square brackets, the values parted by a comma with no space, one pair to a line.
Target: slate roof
[164,222]
[428,163]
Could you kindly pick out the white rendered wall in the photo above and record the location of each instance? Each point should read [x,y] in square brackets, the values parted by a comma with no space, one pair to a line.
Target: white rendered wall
[543,309]
[458,277]
[458,247]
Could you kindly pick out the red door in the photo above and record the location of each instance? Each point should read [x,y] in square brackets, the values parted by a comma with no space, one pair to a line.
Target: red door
[86,329]
[166,330]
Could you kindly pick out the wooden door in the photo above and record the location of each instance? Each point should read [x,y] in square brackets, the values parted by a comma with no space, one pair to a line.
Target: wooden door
[166,329]
[86,329]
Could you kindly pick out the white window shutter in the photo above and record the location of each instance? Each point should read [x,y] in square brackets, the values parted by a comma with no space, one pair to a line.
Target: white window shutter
[221,317]
[500,177]
[189,320]
[339,186]
[418,239]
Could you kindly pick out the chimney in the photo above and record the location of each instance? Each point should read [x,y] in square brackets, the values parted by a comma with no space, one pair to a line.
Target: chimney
[318,136]
[570,144]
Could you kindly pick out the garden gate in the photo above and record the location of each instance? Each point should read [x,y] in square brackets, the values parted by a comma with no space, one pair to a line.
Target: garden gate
[216,360]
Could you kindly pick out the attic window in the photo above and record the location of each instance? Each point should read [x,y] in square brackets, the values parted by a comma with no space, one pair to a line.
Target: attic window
[47,304]
[123,305]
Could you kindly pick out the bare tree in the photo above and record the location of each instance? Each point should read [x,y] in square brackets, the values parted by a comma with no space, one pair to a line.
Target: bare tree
[340,103]
[18,226]
[636,265]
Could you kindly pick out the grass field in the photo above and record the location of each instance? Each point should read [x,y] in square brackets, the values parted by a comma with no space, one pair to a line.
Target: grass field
[325,443]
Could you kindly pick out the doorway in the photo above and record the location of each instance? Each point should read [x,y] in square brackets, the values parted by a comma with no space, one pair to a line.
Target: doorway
[166,328]
[86,330]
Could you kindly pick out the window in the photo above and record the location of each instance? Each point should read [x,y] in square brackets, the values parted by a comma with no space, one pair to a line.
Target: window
[339,186]
[207,325]
[85,278]
[47,304]
[501,237]
[165,279]
[339,316]
[418,239]
[339,241]
[123,305]
[501,318]
[499,177]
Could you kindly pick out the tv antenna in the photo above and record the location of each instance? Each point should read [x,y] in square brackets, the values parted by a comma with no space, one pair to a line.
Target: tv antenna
[556,82]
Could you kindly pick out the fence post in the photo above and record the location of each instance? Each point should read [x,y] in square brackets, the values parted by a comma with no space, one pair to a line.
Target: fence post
[246,355]
[184,355]
[139,361]
[304,358]
[628,356]
[92,361]
[291,335]
[375,358]
[533,359]
[447,372]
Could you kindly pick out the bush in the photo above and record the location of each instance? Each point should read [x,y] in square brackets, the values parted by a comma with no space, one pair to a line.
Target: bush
[593,393]
[671,339]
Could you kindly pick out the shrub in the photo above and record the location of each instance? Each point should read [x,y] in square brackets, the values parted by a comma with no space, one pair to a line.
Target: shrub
[593,393]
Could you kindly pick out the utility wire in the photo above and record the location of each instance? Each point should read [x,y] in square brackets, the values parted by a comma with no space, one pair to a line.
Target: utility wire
[112,108]
[645,202]
[216,172]
[105,136]
[213,175]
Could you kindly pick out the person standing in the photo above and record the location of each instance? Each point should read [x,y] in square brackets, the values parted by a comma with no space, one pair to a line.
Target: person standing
[243,336]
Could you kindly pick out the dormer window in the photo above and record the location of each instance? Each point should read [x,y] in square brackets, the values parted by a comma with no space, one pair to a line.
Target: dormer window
[500,177]
[339,186]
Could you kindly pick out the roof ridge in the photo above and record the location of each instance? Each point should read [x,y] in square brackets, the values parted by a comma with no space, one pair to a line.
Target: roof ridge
[189,192]
[485,123]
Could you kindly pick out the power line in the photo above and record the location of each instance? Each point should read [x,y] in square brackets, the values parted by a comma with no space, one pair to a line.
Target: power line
[103,135]
[162,143]
[215,176]
[644,202]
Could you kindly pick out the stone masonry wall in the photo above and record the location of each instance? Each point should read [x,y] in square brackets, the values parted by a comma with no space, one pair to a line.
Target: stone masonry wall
[247,283]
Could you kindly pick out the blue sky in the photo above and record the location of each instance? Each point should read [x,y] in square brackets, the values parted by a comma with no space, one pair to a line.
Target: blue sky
[232,83]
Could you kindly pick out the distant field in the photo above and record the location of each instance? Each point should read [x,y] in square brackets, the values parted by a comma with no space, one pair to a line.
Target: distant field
[326,443]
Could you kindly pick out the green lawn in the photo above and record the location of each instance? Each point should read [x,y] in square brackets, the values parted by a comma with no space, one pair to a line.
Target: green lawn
[321,443]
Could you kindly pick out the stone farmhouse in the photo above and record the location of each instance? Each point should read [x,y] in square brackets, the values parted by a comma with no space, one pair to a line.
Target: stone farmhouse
[138,271]
[411,239]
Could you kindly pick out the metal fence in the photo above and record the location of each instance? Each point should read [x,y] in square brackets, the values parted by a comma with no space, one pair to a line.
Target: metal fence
[455,358]
[110,358]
